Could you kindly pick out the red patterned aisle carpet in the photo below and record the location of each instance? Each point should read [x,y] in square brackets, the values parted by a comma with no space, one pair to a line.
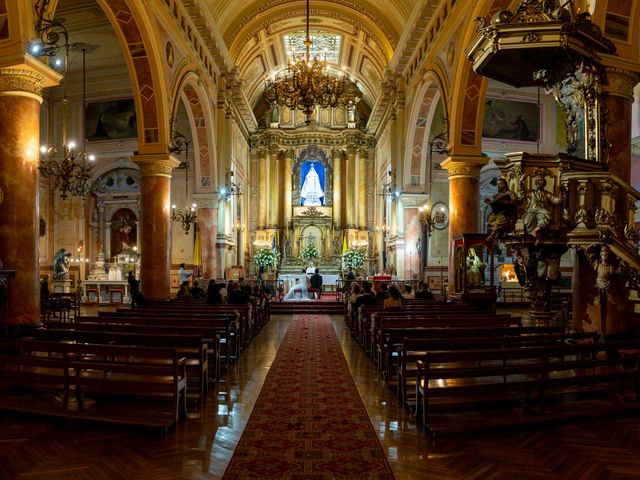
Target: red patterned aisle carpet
[309,422]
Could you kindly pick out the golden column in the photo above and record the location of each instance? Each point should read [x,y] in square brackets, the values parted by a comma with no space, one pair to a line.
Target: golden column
[20,99]
[363,155]
[337,187]
[263,162]
[274,186]
[288,186]
[464,198]
[350,182]
[155,240]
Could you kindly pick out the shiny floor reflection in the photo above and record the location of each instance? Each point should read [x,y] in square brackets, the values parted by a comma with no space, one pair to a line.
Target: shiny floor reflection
[200,448]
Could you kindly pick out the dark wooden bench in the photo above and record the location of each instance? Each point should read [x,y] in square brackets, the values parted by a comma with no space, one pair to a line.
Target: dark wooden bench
[155,376]
[381,321]
[152,373]
[209,336]
[34,366]
[366,315]
[414,349]
[192,347]
[391,335]
[462,380]
[226,324]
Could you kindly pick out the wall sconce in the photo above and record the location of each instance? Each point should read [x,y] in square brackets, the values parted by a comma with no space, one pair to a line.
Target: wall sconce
[230,188]
[389,188]
[180,143]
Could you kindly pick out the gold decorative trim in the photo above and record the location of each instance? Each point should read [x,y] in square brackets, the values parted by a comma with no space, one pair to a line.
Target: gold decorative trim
[262,153]
[22,80]
[621,82]
[156,167]
[462,168]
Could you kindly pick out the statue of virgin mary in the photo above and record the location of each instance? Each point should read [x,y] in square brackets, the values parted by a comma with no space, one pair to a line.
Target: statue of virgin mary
[311,190]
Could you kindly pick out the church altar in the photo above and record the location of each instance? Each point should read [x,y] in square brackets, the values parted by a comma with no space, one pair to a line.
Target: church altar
[104,292]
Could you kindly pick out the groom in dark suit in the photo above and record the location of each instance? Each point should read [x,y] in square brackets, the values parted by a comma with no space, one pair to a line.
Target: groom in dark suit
[316,282]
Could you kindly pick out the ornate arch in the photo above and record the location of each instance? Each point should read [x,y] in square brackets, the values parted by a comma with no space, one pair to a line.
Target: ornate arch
[198,106]
[420,122]
[133,27]
[307,153]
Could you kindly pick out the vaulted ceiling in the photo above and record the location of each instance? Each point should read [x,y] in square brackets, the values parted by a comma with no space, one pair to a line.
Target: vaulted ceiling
[369,31]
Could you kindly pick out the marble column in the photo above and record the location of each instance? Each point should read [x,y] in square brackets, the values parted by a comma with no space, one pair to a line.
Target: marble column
[350,182]
[362,189]
[337,188]
[263,162]
[155,231]
[208,225]
[618,99]
[586,316]
[464,199]
[20,99]
[273,186]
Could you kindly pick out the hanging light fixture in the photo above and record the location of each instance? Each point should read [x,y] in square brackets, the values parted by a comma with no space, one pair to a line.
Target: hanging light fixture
[180,143]
[70,169]
[307,84]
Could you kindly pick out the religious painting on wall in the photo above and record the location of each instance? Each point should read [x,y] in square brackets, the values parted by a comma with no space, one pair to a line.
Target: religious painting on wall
[312,179]
[110,120]
[124,233]
[511,120]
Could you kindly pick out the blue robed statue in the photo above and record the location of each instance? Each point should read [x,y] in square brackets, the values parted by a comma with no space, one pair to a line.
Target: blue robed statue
[311,191]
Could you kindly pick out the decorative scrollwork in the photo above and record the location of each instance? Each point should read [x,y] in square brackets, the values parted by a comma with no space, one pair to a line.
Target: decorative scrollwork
[312,212]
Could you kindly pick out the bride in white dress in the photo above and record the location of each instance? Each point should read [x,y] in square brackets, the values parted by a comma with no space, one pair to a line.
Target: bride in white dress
[299,290]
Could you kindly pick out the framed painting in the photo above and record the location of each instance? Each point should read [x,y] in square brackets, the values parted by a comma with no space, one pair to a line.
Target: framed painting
[110,120]
[511,120]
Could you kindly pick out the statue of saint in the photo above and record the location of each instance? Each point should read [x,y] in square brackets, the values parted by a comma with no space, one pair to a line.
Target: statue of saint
[475,268]
[504,212]
[311,192]
[537,215]
[61,263]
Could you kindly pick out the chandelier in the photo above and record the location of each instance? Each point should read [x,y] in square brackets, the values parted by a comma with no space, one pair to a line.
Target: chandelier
[70,168]
[180,143]
[307,84]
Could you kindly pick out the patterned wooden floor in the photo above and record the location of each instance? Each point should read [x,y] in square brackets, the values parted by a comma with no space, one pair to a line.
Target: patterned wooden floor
[40,448]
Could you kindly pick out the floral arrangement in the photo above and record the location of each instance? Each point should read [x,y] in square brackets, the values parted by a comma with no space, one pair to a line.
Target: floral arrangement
[309,252]
[266,258]
[354,258]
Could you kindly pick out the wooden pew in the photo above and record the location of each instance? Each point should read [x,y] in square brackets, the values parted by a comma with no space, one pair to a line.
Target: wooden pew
[380,321]
[209,336]
[414,349]
[366,314]
[469,378]
[393,335]
[156,375]
[34,366]
[153,373]
[247,314]
[226,324]
[192,347]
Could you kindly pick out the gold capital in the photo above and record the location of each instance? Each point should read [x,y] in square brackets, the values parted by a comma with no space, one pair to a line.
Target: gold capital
[160,165]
